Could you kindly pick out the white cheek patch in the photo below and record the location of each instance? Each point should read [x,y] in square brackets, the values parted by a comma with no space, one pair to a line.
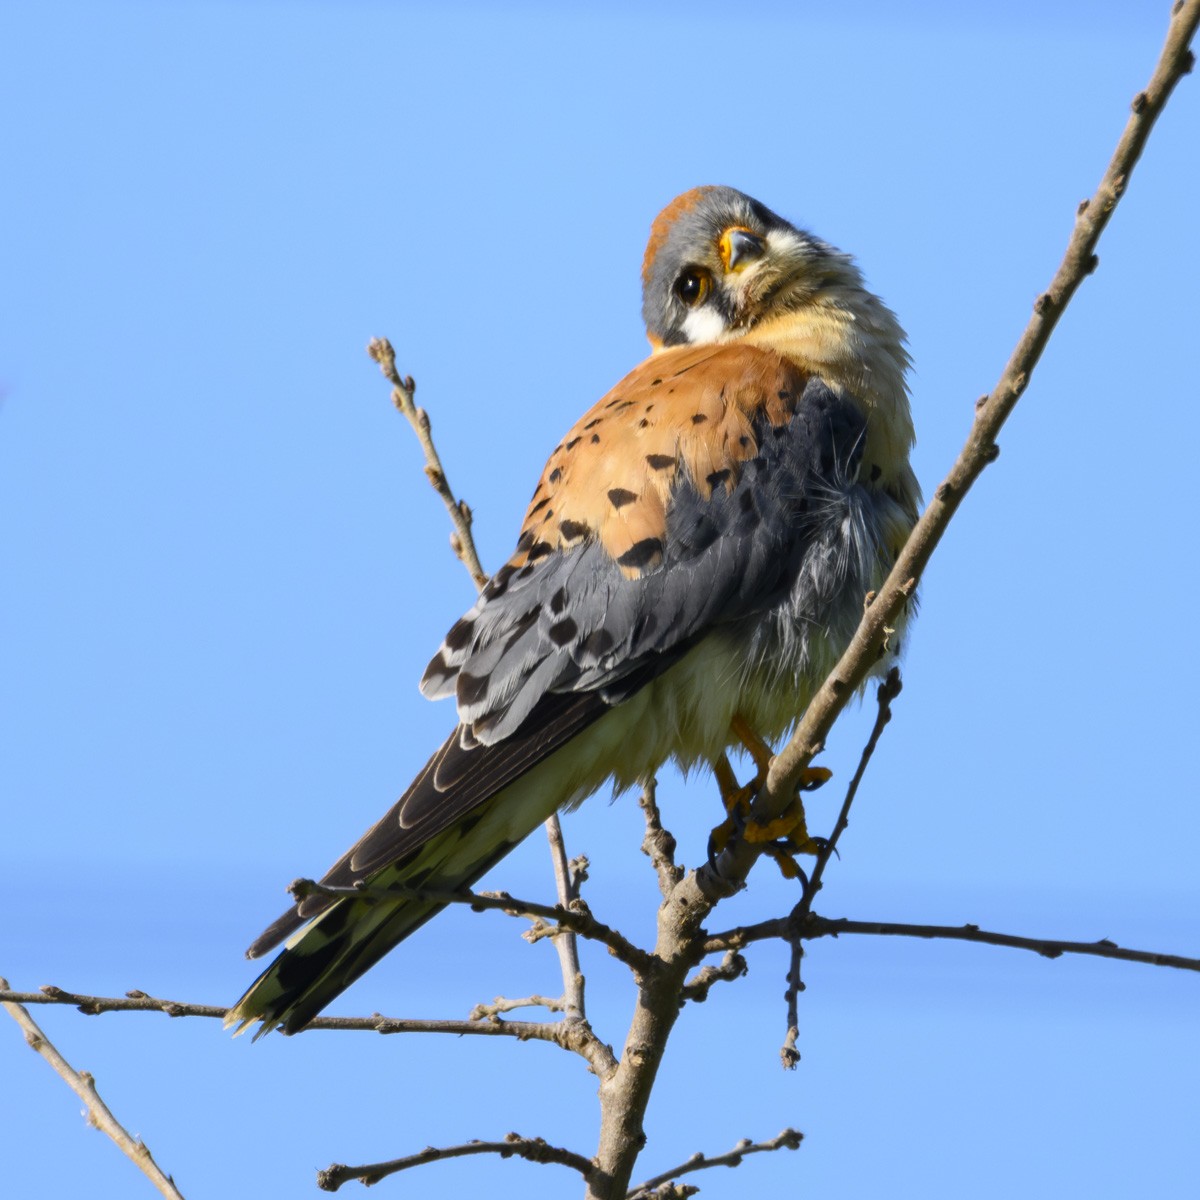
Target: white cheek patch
[704,324]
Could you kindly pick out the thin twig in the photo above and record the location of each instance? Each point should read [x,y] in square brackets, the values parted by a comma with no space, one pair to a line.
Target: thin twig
[789,1139]
[132,1001]
[502,1004]
[513,1146]
[732,966]
[789,1053]
[659,844]
[575,1036]
[888,690]
[462,541]
[815,927]
[569,1036]
[577,919]
[99,1115]
[566,883]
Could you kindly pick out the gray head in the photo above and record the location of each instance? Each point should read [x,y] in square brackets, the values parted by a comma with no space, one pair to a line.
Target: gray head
[719,262]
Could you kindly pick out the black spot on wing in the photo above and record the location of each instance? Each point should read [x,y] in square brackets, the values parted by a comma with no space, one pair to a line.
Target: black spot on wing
[498,584]
[642,554]
[702,533]
[562,633]
[596,645]
[619,497]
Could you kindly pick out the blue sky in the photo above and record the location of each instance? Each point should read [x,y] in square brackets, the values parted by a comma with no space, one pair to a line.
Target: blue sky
[224,571]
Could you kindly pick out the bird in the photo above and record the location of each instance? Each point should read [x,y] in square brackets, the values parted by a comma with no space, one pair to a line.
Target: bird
[694,560]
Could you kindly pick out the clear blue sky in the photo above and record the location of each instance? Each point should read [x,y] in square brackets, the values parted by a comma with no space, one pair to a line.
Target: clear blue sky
[223,572]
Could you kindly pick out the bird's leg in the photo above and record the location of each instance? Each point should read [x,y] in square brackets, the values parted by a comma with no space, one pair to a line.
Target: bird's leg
[736,800]
[810,779]
[786,834]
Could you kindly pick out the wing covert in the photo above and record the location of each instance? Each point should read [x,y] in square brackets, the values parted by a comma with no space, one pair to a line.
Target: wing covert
[685,499]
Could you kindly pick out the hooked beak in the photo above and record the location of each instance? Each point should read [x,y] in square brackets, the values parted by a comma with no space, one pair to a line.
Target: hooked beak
[739,247]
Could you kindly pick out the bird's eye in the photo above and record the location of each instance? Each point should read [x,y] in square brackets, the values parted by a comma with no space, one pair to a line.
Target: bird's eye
[693,286]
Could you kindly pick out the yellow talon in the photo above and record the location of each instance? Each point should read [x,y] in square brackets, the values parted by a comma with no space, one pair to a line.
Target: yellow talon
[787,865]
[736,801]
[785,835]
[791,819]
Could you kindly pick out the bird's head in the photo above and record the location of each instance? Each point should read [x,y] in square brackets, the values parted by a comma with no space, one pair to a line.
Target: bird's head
[720,263]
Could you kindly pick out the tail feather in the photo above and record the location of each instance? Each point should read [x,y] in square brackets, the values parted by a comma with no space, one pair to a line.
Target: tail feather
[324,959]
[466,809]
[327,953]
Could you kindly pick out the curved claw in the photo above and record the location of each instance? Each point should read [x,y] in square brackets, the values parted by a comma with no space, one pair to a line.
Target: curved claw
[789,868]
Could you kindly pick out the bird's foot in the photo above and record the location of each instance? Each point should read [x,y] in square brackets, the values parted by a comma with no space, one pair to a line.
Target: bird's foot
[787,835]
[784,836]
[736,801]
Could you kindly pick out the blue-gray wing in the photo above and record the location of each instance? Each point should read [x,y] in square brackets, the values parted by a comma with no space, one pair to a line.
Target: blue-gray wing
[686,499]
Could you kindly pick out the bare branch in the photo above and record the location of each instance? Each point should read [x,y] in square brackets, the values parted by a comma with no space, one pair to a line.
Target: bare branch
[789,1054]
[463,543]
[575,1036]
[577,919]
[732,966]
[789,1139]
[816,926]
[569,1036]
[132,1001]
[513,1146]
[98,1113]
[889,689]
[501,1004]
[658,844]
[567,883]
[461,540]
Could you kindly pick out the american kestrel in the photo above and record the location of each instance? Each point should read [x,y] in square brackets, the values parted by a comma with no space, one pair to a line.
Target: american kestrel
[693,562]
